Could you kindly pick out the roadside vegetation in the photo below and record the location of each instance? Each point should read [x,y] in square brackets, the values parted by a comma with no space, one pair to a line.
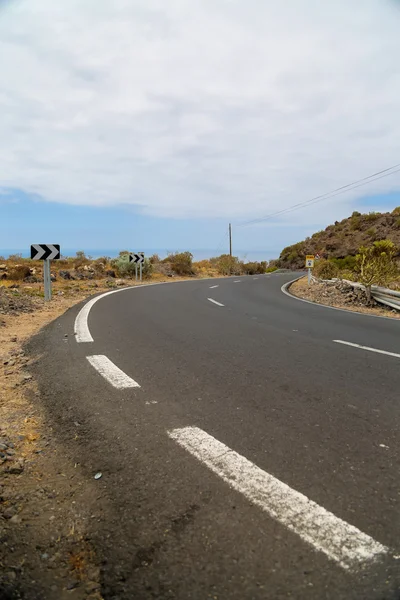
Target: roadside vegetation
[81,273]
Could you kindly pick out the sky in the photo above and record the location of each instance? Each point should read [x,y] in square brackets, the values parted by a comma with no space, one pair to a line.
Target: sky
[152,125]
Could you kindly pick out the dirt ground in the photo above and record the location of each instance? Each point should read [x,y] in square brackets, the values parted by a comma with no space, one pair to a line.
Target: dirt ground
[44,501]
[340,295]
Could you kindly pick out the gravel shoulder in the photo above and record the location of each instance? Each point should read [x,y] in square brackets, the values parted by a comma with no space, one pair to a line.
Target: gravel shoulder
[45,502]
[339,295]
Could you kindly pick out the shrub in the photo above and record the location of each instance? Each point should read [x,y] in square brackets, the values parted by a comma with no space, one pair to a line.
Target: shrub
[227,265]
[15,257]
[355,224]
[325,269]
[181,262]
[254,268]
[372,216]
[376,264]
[396,211]
[271,269]
[19,272]
[371,231]
[346,263]
[356,214]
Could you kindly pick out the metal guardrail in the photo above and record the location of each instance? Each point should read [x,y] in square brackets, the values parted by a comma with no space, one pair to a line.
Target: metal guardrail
[382,295]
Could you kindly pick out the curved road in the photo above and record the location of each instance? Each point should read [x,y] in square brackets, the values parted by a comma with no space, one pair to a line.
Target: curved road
[246,451]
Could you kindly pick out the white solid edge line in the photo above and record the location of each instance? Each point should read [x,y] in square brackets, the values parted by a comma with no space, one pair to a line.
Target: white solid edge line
[284,290]
[215,302]
[111,372]
[367,348]
[339,540]
[213,286]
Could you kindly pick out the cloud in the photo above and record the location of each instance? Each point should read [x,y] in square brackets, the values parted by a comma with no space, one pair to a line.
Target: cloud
[207,108]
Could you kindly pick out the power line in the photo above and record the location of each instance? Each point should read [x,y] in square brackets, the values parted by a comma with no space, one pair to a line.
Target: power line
[327,195]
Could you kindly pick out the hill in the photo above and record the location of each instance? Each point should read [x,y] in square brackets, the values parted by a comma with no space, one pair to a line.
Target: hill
[344,238]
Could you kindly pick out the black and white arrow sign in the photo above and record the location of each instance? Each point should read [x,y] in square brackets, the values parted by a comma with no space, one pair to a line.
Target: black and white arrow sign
[136,257]
[45,251]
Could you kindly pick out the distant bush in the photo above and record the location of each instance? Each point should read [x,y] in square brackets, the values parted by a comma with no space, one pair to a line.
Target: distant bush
[15,257]
[181,262]
[254,268]
[346,263]
[80,259]
[356,214]
[227,265]
[371,231]
[271,269]
[19,273]
[325,269]
[372,216]
[355,223]
[396,211]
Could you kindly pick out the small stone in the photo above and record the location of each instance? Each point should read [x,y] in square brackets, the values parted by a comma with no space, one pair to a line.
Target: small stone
[44,556]
[91,587]
[3,446]
[98,475]
[14,339]
[71,585]
[27,377]
[16,469]
[15,519]
[8,513]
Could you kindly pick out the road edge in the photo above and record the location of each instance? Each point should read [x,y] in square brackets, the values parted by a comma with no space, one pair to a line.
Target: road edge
[285,290]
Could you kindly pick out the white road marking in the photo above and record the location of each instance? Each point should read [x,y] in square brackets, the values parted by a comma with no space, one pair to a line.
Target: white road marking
[237,281]
[111,372]
[368,348]
[215,302]
[341,542]
[213,286]
[255,278]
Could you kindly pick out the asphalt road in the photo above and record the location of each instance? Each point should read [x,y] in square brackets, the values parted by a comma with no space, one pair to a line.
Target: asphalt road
[258,459]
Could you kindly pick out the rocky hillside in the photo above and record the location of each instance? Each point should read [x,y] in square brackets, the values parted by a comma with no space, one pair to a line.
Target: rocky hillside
[344,238]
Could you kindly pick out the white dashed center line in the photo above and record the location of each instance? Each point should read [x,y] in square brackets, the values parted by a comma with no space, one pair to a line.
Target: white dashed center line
[237,281]
[367,348]
[215,302]
[213,286]
[341,542]
[111,372]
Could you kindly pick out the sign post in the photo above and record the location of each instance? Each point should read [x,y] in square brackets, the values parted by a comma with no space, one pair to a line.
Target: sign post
[138,259]
[46,252]
[309,265]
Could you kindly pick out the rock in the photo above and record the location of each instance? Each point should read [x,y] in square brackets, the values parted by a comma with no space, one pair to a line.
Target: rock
[8,513]
[120,282]
[27,378]
[15,469]
[91,587]
[65,275]
[15,519]
[110,273]
[3,267]
[14,339]
[3,446]
[71,585]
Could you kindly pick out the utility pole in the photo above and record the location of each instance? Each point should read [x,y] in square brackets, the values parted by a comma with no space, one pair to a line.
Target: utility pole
[230,239]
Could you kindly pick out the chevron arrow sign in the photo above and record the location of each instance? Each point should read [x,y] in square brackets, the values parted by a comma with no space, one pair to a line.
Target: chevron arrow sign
[45,251]
[136,257]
